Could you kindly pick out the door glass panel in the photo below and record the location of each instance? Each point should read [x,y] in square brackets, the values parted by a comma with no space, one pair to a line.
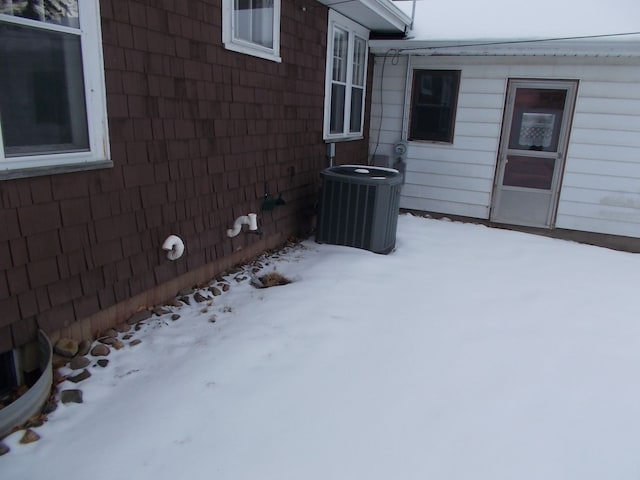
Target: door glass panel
[529,172]
[537,119]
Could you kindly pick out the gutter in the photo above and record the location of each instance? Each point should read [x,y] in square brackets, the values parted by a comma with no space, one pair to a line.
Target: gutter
[511,47]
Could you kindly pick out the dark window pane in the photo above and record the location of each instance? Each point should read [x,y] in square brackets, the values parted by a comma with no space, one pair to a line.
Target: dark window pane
[42,105]
[340,50]
[356,110]
[435,94]
[254,21]
[529,172]
[60,12]
[336,124]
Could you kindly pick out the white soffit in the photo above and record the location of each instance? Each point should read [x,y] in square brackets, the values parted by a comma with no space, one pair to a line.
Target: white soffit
[380,16]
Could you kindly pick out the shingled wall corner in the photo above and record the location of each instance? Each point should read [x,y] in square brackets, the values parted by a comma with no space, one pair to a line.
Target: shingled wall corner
[196,134]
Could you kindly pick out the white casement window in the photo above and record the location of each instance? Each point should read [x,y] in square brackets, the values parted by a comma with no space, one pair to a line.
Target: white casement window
[52,95]
[252,27]
[345,85]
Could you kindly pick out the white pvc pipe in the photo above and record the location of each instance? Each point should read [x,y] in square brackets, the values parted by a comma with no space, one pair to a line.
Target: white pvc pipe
[251,220]
[174,247]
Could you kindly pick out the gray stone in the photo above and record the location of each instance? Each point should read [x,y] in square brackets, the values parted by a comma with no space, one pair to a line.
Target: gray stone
[117,344]
[123,327]
[100,350]
[71,396]
[111,333]
[216,291]
[185,300]
[185,291]
[175,317]
[135,342]
[103,362]
[29,437]
[159,311]
[77,363]
[140,316]
[67,347]
[198,297]
[59,361]
[49,407]
[83,375]
[107,340]
[4,449]
[225,287]
[83,347]
[34,422]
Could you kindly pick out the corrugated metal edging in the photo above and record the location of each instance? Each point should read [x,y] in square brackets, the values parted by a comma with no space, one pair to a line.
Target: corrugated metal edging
[29,404]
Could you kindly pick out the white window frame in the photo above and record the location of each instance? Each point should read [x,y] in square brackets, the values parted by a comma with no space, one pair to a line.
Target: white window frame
[340,22]
[243,46]
[98,155]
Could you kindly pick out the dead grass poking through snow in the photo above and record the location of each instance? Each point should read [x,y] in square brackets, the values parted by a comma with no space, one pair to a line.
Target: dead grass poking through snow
[273,279]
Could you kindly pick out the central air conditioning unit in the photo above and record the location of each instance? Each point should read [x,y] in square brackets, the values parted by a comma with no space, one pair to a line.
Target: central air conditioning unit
[359,207]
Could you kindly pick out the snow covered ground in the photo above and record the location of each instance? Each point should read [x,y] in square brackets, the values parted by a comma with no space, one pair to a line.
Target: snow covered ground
[468,353]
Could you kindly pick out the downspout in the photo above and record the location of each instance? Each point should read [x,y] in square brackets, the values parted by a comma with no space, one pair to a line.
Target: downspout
[407,96]
[413,14]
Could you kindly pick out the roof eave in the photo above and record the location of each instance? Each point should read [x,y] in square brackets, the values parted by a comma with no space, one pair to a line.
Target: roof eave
[380,16]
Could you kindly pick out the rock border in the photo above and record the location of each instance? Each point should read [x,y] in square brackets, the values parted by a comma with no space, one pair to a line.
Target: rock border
[79,355]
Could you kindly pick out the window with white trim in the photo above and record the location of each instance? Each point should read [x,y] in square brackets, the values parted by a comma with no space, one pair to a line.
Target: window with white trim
[347,48]
[52,95]
[252,27]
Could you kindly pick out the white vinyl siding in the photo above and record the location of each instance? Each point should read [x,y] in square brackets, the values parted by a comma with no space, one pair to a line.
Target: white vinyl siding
[600,190]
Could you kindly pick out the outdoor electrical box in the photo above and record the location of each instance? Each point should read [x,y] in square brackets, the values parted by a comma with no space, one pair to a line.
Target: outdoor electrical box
[359,207]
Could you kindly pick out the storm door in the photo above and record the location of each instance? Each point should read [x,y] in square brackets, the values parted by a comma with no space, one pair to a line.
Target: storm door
[533,146]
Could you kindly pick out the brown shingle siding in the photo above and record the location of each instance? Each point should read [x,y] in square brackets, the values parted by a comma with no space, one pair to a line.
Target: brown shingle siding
[24,331]
[41,190]
[56,318]
[10,226]
[43,272]
[195,132]
[65,291]
[43,245]
[106,252]
[71,185]
[75,211]
[10,310]
[39,218]
[4,286]
[19,251]
[86,306]
[92,280]
[5,256]
[73,239]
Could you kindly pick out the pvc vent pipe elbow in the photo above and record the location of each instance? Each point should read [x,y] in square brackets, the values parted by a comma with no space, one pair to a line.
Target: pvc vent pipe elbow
[250,219]
[174,246]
